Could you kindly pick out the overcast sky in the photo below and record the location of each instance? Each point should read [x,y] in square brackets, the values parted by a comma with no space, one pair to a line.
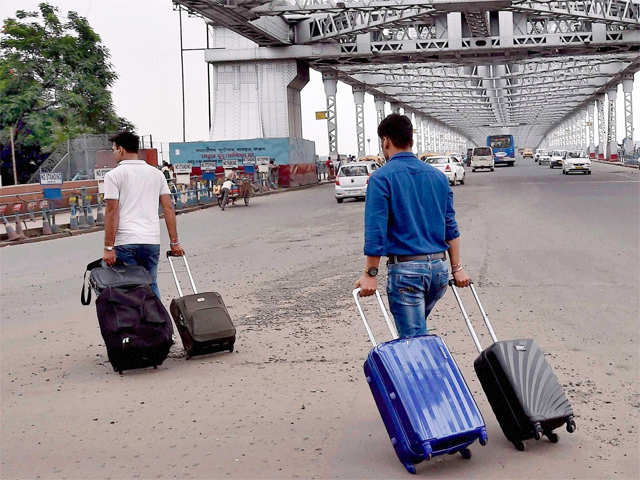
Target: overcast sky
[143,38]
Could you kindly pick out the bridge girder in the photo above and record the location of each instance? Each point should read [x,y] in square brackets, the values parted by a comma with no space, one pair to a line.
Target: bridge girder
[466,64]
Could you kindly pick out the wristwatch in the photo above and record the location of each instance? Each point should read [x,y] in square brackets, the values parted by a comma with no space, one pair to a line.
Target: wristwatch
[109,249]
[372,271]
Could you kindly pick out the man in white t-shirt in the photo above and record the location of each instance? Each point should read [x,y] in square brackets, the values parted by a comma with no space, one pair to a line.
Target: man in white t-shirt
[132,192]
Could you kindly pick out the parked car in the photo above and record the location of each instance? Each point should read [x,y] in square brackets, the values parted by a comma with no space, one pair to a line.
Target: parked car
[352,180]
[450,166]
[482,157]
[557,157]
[576,161]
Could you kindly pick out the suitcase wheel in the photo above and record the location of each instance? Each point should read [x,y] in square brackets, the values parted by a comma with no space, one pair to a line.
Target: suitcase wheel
[519,445]
[466,453]
[484,437]
[537,431]
[553,437]
[410,468]
[427,450]
[571,425]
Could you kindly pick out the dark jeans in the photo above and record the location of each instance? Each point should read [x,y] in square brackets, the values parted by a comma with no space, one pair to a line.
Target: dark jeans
[413,288]
[143,254]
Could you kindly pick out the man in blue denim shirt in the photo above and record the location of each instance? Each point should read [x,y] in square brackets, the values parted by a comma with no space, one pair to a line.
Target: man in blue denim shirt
[409,218]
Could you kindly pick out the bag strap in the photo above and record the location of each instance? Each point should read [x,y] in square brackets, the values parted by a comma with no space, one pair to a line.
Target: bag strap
[85,299]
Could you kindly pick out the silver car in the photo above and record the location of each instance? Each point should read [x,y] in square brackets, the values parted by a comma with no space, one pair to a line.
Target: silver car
[352,180]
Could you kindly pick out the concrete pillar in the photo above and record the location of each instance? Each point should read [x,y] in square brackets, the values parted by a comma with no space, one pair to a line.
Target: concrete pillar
[330,81]
[358,97]
[591,129]
[257,99]
[627,89]
[395,107]
[612,142]
[602,128]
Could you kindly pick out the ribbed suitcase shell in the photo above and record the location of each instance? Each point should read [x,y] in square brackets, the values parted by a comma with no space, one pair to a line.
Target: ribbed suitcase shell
[423,399]
[522,389]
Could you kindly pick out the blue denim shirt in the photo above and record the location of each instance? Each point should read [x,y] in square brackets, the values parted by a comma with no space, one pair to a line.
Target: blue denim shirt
[409,209]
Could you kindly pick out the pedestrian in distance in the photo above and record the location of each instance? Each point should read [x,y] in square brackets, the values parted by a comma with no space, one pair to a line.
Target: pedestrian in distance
[409,218]
[132,192]
[166,171]
[329,168]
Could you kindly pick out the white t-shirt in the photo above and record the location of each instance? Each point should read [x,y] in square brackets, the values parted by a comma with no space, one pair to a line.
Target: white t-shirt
[137,186]
[228,184]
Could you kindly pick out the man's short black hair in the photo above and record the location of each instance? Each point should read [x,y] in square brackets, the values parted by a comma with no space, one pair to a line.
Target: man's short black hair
[398,129]
[127,140]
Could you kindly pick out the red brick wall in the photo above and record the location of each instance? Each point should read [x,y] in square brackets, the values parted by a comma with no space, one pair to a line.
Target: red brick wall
[33,192]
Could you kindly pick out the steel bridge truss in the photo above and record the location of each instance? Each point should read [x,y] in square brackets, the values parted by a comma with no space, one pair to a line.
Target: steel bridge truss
[471,65]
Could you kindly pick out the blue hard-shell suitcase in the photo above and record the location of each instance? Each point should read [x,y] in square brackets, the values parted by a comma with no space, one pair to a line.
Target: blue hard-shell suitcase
[422,397]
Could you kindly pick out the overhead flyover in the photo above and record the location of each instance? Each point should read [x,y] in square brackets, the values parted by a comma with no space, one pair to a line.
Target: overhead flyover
[463,69]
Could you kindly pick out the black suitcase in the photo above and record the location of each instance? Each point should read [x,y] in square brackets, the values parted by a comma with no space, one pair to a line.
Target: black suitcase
[202,319]
[524,393]
[135,326]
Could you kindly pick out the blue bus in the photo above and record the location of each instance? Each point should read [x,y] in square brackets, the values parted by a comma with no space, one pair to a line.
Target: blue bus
[504,151]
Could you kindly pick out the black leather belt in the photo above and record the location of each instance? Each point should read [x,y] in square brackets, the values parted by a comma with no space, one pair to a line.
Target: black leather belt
[410,258]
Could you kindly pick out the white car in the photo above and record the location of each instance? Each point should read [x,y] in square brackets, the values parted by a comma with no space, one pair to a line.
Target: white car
[352,180]
[482,157]
[450,166]
[538,154]
[544,158]
[576,161]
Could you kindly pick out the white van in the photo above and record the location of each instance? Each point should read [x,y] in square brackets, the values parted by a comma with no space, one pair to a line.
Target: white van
[482,157]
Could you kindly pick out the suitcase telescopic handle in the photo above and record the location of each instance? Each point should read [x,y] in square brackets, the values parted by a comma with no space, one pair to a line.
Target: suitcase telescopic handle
[175,277]
[456,294]
[392,328]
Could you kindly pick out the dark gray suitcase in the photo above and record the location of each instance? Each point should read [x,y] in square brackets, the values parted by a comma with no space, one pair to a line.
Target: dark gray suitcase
[524,393]
[202,319]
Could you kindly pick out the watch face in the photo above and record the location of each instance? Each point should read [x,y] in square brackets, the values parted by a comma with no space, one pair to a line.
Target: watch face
[373,271]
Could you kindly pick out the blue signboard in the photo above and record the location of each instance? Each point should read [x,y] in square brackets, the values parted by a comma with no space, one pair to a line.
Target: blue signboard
[231,152]
[52,193]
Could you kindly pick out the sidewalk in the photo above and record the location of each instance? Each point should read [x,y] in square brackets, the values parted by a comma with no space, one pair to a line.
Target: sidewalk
[617,164]
[63,218]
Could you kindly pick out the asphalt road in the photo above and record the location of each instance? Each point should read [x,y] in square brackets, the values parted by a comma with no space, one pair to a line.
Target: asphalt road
[555,258]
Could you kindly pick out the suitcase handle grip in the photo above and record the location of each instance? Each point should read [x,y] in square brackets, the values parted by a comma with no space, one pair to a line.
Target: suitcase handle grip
[175,277]
[456,294]
[392,328]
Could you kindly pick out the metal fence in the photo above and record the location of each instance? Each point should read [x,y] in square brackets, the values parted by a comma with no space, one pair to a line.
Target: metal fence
[76,159]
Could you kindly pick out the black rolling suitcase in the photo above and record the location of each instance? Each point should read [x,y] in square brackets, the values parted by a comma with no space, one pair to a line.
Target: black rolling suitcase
[202,319]
[134,324]
[522,389]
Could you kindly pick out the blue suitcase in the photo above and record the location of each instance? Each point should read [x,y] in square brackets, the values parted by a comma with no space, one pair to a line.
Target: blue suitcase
[422,397]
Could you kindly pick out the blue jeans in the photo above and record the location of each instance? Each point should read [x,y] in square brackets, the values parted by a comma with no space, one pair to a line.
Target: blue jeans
[143,254]
[413,288]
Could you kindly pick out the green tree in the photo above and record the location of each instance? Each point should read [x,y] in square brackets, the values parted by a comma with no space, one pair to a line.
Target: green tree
[55,77]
